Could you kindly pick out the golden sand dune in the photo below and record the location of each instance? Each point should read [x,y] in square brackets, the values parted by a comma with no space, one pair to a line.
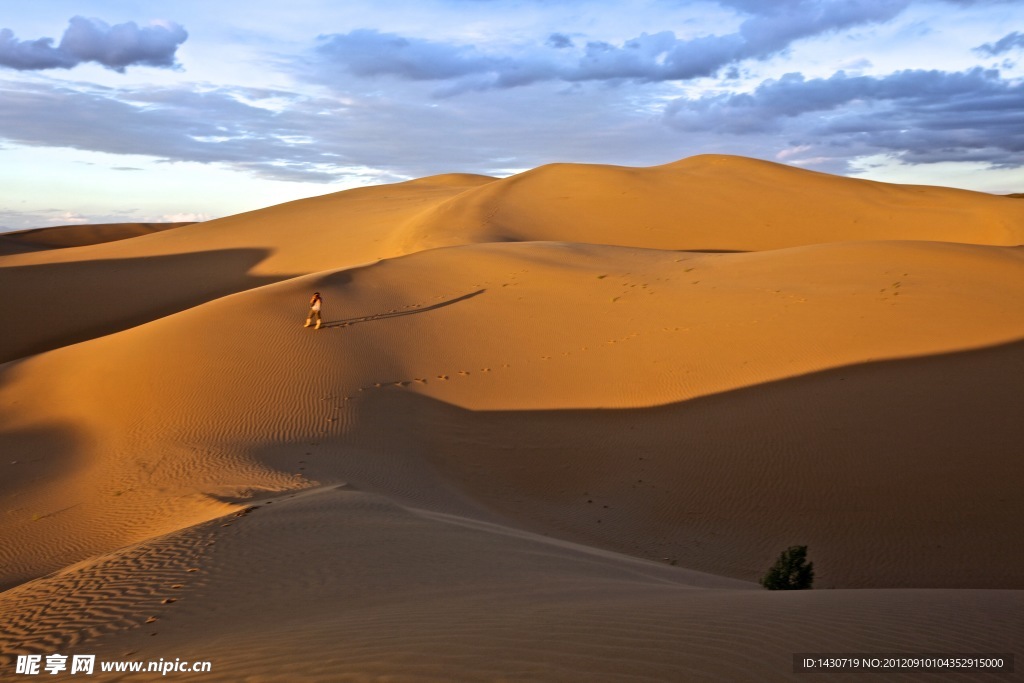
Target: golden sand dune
[569,436]
[713,202]
[62,236]
[95,290]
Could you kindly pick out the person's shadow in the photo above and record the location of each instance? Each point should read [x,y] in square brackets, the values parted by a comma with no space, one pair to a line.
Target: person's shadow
[348,322]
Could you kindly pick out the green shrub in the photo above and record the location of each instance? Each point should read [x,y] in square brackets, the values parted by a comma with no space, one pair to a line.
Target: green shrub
[791,572]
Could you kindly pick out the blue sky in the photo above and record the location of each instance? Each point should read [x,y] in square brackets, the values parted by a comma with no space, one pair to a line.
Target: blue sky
[128,110]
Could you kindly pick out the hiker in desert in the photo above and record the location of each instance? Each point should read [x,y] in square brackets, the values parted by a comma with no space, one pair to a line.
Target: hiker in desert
[315,304]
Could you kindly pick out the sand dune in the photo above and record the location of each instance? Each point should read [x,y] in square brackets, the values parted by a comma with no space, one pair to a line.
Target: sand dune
[98,289]
[543,409]
[63,236]
[713,202]
[418,596]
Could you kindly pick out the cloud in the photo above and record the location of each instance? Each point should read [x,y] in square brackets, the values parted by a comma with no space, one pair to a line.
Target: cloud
[1003,45]
[559,41]
[12,219]
[381,119]
[356,139]
[924,116]
[92,40]
[366,52]
[31,54]
[663,56]
[169,124]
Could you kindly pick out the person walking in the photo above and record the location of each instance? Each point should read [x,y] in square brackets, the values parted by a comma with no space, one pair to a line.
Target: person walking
[315,304]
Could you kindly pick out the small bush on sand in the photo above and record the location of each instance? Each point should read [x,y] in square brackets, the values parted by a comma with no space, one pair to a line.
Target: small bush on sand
[791,572]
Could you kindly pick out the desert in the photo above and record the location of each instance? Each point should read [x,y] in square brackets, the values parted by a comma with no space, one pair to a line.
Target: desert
[555,426]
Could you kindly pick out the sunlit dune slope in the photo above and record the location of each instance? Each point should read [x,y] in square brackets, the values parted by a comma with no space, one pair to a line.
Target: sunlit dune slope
[719,405]
[713,202]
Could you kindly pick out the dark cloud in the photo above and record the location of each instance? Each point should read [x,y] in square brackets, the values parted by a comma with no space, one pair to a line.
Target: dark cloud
[92,40]
[921,115]
[657,57]
[559,41]
[1003,45]
[31,54]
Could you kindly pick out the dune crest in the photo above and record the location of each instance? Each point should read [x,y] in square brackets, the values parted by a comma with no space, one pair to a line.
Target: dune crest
[64,236]
[714,203]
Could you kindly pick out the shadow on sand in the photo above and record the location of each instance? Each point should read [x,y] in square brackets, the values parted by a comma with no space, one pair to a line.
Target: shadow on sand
[397,314]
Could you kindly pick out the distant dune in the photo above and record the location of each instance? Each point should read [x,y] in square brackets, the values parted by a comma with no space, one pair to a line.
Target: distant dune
[62,236]
[555,427]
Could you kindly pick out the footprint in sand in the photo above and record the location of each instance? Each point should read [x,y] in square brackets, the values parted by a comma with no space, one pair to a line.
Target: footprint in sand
[463,372]
[442,377]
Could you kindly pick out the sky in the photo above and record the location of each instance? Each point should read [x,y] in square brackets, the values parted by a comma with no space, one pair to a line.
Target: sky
[136,110]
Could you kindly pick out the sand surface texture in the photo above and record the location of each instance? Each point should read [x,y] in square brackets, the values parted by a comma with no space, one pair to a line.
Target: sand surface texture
[554,428]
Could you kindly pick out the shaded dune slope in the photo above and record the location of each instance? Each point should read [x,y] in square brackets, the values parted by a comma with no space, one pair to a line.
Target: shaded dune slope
[478,604]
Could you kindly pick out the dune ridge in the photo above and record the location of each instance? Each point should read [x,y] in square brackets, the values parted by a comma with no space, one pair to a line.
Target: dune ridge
[584,405]
[63,236]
